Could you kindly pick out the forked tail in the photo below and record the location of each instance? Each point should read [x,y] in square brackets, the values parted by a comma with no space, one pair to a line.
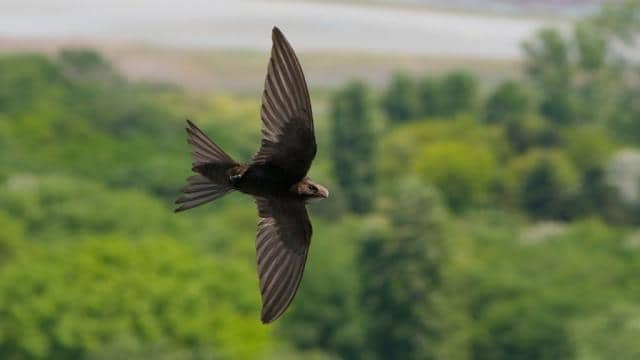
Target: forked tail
[211,164]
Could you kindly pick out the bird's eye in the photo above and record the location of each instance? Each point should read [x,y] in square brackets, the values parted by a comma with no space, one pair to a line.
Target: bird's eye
[313,188]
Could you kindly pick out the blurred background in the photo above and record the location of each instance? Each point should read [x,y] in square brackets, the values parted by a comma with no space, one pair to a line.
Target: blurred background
[483,159]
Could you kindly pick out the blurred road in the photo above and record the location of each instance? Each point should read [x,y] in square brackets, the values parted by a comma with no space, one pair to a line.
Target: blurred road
[206,24]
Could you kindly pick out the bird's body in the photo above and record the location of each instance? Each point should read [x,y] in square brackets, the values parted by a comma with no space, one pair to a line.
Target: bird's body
[262,180]
[276,178]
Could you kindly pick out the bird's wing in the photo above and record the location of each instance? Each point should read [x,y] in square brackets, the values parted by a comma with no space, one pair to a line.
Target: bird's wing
[288,140]
[282,244]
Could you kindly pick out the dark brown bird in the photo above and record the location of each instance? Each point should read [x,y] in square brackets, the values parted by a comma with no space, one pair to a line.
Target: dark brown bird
[276,177]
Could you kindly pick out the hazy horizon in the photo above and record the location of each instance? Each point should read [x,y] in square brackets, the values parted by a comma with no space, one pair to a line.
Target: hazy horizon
[312,26]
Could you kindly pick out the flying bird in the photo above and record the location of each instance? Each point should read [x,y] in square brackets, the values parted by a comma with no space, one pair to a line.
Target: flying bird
[276,177]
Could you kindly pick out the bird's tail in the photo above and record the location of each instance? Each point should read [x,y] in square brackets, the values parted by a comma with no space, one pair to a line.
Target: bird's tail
[212,166]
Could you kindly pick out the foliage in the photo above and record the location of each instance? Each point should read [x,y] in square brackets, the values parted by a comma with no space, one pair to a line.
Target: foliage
[619,322]
[523,312]
[522,331]
[509,103]
[70,301]
[402,273]
[588,146]
[401,145]
[531,132]
[400,102]
[626,121]
[429,96]
[459,90]
[353,146]
[49,206]
[452,93]
[544,184]
[464,172]
[11,237]
[549,68]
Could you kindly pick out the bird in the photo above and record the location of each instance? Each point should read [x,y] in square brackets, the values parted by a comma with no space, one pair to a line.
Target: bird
[276,177]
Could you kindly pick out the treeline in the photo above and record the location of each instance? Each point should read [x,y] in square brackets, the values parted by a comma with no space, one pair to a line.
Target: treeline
[550,138]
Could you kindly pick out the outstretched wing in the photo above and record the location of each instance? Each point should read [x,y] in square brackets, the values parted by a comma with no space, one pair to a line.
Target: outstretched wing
[282,244]
[288,140]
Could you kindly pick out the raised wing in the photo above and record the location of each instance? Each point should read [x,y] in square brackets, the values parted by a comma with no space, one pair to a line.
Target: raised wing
[288,140]
[282,244]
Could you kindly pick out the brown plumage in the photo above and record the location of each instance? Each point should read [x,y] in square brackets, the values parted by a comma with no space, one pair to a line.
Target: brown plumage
[276,177]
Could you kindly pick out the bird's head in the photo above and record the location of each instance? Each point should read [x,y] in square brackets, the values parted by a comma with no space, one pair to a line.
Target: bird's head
[310,190]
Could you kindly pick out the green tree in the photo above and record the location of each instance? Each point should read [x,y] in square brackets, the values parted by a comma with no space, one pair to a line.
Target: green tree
[541,189]
[52,206]
[402,274]
[354,144]
[609,333]
[463,172]
[86,66]
[626,119]
[459,90]
[548,61]
[429,97]
[547,184]
[549,67]
[108,293]
[531,132]
[521,312]
[400,101]
[588,147]
[597,197]
[592,47]
[27,80]
[11,237]
[522,330]
[509,102]
[600,77]
[619,20]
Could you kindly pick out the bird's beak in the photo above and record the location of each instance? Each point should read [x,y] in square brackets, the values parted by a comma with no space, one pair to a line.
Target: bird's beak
[323,192]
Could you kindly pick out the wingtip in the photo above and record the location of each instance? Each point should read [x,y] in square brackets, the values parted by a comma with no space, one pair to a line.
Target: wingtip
[265,320]
[276,33]
[269,317]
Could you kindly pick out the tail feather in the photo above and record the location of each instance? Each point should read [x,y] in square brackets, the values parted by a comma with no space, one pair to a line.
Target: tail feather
[211,163]
[203,149]
[200,190]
